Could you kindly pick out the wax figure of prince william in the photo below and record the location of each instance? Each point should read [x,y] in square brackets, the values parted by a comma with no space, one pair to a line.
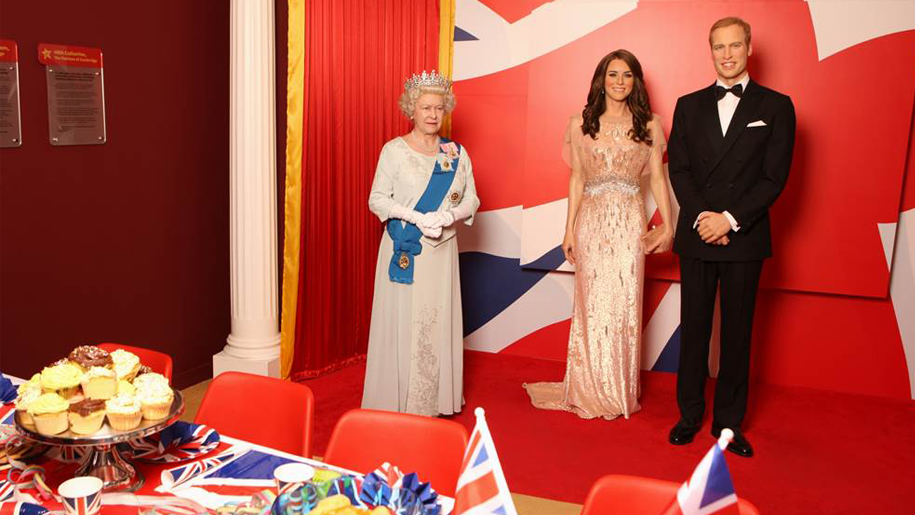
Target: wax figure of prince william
[729,154]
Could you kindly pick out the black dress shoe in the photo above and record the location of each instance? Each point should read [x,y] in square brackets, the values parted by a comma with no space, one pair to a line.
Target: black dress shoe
[682,434]
[739,445]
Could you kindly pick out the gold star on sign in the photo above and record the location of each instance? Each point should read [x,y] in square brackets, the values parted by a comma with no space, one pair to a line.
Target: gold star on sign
[46,53]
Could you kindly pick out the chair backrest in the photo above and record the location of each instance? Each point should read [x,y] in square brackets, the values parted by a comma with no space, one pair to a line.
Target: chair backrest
[157,361]
[432,447]
[262,410]
[637,496]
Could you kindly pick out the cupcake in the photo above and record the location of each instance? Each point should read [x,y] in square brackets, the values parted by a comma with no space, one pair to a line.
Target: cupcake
[126,364]
[49,414]
[86,416]
[124,412]
[155,400]
[142,381]
[88,356]
[63,379]
[24,399]
[99,383]
[126,387]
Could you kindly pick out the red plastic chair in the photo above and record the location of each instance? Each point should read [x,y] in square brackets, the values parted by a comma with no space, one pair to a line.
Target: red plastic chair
[638,496]
[432,447]
[262,410]
[157,361]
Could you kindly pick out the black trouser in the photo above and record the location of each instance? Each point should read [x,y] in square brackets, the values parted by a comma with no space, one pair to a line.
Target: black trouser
[699,281]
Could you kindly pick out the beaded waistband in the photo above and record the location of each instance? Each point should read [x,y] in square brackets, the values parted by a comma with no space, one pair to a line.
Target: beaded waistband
[612,184]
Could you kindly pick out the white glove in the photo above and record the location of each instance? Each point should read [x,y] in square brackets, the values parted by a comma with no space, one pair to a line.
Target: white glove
[415,217]
[405,214]
[434,219]
[447,218]
[430,232]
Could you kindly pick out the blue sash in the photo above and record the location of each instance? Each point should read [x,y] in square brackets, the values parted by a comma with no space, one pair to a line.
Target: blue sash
[406,235]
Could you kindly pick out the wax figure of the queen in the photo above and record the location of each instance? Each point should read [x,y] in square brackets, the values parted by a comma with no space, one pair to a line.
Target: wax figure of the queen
[423,187]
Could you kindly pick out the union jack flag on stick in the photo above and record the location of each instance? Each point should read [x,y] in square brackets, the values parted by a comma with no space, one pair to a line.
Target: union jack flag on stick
[481,487]
[710,489]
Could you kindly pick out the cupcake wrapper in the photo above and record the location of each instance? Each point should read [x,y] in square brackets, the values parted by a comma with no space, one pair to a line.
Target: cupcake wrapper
[25,418]
[86,425]
[156,411]
[51,423]
[125,421]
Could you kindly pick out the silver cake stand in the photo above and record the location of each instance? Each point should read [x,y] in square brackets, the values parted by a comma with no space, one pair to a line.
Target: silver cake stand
[104,460]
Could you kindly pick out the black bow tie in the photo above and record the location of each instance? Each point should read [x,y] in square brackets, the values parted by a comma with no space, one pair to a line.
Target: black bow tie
[721,91]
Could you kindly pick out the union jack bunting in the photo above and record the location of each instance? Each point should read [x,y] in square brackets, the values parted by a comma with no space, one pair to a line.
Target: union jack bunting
[709,490]
[481,487]
[87,505]
[175,477]
[179,442]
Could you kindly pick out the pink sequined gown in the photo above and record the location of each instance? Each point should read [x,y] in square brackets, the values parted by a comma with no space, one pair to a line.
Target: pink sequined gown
[602,369]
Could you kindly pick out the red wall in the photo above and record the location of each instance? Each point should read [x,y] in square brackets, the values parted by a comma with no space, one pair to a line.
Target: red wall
[127,241]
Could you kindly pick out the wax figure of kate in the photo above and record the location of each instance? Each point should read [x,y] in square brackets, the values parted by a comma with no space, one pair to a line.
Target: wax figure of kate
[729,155]
[612,142]
[423,187]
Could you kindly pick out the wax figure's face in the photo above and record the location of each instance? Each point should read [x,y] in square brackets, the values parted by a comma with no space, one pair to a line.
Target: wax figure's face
[619,80]
[428,113]
[729,53]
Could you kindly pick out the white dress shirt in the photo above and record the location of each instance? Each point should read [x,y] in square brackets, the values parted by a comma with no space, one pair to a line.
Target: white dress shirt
[726,108]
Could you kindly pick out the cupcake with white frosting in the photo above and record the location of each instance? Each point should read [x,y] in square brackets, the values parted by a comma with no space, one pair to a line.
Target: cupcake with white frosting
[124,412]
[126,364]
[151,378]
[28,392]
[155,400]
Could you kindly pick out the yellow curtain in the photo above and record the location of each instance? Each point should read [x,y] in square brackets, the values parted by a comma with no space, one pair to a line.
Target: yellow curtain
[446,49]
[294,136]
[295,104]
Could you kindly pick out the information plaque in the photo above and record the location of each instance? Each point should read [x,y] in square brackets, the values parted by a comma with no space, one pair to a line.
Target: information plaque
[76,94]
[10,118]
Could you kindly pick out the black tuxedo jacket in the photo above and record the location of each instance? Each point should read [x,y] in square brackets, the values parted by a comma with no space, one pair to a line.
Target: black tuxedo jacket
[742,172]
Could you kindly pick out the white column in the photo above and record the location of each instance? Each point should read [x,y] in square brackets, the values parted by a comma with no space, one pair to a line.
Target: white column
[254,343]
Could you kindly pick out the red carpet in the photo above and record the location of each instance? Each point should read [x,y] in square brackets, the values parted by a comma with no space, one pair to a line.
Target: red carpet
[817,451]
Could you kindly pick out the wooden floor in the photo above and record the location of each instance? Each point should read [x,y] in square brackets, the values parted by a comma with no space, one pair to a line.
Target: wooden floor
[526,504]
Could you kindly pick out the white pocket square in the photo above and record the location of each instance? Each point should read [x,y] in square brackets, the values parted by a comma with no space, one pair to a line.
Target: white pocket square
[757,123]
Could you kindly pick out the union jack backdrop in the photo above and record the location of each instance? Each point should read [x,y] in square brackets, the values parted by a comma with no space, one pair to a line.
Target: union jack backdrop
[844,265]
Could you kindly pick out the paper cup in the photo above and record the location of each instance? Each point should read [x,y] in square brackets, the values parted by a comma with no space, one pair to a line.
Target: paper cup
[292,476]
[81,495]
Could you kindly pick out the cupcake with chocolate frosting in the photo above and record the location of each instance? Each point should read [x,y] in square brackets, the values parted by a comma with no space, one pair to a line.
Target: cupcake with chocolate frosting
[88,356]
[86,416]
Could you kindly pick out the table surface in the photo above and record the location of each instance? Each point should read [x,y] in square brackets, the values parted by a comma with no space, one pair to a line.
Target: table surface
[235,481]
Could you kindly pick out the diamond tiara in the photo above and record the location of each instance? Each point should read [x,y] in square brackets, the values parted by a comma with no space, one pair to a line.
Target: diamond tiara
[426,80]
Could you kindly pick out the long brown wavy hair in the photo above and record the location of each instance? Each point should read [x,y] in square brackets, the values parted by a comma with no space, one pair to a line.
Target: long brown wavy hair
[637,101]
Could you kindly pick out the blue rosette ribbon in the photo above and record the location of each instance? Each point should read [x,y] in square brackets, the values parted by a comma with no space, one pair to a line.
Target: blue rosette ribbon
[375,491]
[8,392]
[424,495]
